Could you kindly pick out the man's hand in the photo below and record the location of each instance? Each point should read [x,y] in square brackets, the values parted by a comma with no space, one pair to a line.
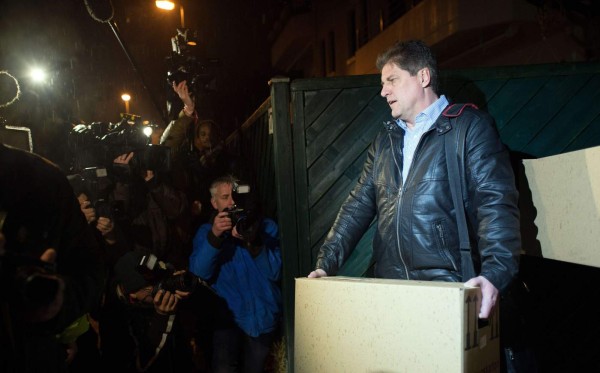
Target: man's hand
[165,302]
[221,224]
[86,207]
[489,295]
[105,225]
[184,94]
[317,273]
[123,158]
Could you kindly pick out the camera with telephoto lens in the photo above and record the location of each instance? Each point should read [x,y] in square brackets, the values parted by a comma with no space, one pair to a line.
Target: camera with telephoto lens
[161,276]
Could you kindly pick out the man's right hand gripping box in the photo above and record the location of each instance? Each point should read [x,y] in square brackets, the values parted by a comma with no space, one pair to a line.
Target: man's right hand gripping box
[376,325]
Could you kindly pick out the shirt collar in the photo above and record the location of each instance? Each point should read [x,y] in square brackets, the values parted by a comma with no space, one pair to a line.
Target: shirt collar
[427,117]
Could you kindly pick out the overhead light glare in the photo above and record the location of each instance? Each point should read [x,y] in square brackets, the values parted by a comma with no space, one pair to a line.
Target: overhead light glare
[38,75]
[147,131]
[164,4]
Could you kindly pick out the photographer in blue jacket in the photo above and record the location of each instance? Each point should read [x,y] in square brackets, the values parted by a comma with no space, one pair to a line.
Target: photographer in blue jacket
[239,255]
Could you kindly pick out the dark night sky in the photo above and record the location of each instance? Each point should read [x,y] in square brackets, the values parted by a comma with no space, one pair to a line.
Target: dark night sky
[88,69]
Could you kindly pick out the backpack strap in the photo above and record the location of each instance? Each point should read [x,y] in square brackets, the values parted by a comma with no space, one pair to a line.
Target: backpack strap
[455,160]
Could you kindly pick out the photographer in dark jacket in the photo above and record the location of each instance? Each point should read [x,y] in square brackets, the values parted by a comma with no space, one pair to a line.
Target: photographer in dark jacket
[152,207]
[154,342]
[51,271]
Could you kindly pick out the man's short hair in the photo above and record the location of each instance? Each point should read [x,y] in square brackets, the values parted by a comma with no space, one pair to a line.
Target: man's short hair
[412,56]
[227,179]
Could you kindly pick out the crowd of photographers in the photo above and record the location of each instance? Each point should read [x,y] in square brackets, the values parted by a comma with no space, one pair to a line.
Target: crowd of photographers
[176,270]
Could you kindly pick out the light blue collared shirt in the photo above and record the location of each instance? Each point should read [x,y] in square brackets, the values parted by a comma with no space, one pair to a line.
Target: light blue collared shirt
[423,122]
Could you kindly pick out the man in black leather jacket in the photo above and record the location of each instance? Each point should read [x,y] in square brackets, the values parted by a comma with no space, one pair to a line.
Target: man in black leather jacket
[404,184]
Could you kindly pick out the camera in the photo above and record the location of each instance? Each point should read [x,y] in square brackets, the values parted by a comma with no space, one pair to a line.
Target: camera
[243,220]
[95,184]
[182,65]
[98,144]
[161,276]
[244,217]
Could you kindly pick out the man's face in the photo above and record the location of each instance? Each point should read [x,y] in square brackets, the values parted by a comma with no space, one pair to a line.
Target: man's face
[223,197]
[202,141]
[402,91]
[142,296]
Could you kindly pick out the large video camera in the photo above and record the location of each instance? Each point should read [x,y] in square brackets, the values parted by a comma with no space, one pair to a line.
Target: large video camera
[200,73]
[161,276]
[98,144]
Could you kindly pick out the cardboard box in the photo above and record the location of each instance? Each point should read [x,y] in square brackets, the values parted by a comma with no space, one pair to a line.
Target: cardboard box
[347,324]
[565,190]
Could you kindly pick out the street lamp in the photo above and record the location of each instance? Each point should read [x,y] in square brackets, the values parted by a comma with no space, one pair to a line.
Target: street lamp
[38,75]
[170,5]
[126,97]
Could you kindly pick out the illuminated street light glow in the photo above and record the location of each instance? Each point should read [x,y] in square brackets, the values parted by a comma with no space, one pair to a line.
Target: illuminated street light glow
[164,4]
[126,97]
[38,75]
[147,131]
[170,5]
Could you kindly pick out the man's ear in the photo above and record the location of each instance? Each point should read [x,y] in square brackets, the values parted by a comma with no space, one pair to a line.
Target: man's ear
[213,202]
[424,77]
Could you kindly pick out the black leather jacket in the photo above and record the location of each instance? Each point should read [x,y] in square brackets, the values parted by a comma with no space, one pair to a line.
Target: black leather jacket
[416,236]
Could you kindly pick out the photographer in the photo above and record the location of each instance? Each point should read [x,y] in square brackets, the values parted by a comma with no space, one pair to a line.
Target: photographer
[50,267]
[103,224]
[198,154]
[152,208]
[239,255]
[155,340]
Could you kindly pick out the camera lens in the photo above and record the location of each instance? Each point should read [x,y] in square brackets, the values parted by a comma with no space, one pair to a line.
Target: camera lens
[186,281]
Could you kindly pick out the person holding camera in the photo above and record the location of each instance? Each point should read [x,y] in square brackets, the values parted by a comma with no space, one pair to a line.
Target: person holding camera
[154,340]
[199,156]
[51,270]
[238,253]
[104,224]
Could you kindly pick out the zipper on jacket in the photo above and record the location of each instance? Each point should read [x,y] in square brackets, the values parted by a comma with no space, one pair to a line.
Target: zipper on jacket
[440,230]
[400,187]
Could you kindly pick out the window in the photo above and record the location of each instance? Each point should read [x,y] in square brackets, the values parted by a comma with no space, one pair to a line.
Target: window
[363,23]
[323,58]
[352,33]
[331,52]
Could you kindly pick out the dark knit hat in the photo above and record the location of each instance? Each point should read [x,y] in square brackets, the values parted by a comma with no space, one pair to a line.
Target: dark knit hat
[127,274]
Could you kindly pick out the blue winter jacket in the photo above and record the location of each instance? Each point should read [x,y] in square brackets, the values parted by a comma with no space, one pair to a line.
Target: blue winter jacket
[248,284]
